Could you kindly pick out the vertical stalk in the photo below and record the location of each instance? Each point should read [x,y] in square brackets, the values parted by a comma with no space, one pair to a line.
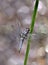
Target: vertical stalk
[31,30]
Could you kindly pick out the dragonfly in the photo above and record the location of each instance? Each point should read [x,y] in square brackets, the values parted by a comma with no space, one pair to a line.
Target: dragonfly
[16,37]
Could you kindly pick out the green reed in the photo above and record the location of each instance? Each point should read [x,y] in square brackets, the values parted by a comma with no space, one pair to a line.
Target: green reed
[31,31]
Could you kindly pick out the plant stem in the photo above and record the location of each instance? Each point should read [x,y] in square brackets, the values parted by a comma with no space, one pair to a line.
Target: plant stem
[31,30]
